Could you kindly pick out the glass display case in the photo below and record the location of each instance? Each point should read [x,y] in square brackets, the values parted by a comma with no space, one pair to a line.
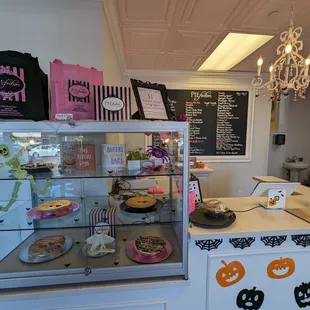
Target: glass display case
[92,202]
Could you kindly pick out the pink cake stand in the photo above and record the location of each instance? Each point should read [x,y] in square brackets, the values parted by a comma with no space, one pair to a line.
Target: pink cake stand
[35,215]
[144,259]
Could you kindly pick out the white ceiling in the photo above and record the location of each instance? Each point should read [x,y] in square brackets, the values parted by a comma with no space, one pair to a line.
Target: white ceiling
[181,34]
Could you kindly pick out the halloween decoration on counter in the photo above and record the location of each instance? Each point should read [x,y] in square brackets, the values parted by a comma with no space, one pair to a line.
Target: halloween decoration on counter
[158,152]
[273,241]
[276,198]
[209,245]
[230,274]
[194,185]
[302,295]
[281,268]
[14,197]
[241,243]
[302,240]
[272,202]
[200,165]
[19,173]
[250,299]
[100,243]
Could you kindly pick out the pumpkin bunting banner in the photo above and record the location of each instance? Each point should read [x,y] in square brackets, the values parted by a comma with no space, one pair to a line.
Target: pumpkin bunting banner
[281,268]
[230,274]
[250,299]
[302,295]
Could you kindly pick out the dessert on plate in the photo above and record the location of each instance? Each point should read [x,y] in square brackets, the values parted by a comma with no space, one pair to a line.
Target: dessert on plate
[47,246]
[149,245]
[141,202]
[54,205]
[37,165]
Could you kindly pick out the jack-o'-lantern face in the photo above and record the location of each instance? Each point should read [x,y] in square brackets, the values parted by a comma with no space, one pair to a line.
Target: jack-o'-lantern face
[272,202]
[4,151]
[302,295]
[200,165]
[230,274]
[250,299]
[281,268]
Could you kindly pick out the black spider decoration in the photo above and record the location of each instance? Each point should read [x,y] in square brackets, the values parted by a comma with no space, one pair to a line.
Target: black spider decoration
[273,241]
[302,240]
[241,243]
[210,244]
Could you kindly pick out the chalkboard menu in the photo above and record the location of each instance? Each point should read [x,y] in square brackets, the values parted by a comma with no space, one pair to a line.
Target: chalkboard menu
[218,120]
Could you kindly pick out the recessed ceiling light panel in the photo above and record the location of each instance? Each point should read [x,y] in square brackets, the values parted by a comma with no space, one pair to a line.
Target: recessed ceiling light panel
[232,50]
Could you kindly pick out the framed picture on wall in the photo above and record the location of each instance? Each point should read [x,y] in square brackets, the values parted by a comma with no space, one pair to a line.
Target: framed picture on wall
[152,101]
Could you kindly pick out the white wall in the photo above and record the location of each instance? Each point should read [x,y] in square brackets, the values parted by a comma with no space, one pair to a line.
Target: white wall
[278,154]
[229,179]
[112,71]
[70,30]
[298,131]
[295,124]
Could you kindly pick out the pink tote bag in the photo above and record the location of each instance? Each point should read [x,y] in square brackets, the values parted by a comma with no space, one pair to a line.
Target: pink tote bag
[72,91]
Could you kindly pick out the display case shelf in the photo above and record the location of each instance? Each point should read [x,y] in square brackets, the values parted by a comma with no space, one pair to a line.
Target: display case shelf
[99,172]
[115,266]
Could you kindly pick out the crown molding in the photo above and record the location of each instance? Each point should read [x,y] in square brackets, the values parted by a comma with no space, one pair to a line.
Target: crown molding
[192,77]
[110,11]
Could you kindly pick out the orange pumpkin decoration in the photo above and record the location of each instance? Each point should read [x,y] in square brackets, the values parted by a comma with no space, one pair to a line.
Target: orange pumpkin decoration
[281,268]
[230,274]
[200,165]
[272,202]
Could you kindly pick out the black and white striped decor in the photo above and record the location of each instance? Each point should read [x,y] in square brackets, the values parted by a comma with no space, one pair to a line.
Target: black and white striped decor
[100,215]
[123,93]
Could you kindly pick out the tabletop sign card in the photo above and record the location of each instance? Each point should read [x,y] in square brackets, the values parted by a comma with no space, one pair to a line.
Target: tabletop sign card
[113,155]
[85,156]
[218,120]
[152,101]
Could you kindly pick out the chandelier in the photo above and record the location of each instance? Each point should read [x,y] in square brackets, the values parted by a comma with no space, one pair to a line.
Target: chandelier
[289,73]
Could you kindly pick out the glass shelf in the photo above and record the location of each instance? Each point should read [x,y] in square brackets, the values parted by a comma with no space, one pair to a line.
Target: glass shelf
[64,173]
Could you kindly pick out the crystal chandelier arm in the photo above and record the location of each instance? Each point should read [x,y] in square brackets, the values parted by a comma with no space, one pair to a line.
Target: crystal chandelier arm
[258,83]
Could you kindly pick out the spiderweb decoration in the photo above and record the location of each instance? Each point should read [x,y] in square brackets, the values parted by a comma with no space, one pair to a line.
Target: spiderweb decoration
[210,244]
[273,240]
[241,243]
[303,240]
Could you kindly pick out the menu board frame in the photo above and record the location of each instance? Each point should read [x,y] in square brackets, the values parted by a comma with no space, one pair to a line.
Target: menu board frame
[250,120]
[161,88]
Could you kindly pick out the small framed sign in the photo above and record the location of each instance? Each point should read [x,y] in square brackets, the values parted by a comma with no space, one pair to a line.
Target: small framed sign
[152,100]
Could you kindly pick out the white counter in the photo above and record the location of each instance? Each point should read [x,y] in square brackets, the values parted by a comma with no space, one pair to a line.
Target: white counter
[258,221]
